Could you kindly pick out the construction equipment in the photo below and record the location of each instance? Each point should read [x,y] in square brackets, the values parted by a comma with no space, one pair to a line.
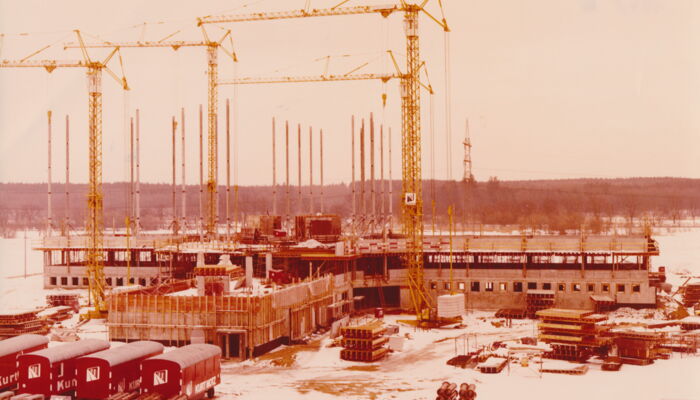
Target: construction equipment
[212,100]
[412,204]
[94,197]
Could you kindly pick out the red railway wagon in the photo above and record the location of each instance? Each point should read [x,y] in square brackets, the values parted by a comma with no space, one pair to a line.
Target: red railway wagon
[112,371]
[52,371]
[191,370]
[12,348]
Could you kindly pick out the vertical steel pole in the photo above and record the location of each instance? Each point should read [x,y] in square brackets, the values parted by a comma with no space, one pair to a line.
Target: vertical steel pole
[311,172]
[49,223]
[274,170]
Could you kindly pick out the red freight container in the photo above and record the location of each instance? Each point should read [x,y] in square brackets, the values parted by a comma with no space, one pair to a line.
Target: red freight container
[192,370]
[12,348]
[52,371]
[112,371]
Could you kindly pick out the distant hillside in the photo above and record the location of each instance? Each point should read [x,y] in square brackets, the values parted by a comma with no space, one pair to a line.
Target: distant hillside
[545,204]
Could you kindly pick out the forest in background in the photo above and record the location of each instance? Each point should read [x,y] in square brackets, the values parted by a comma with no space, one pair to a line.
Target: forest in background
[548,205]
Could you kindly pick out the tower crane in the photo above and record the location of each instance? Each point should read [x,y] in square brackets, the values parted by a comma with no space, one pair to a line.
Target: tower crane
[212,101]
[412,201]
[94,223]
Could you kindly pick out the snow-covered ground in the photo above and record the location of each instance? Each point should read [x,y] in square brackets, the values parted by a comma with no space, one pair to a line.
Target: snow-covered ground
[315,371]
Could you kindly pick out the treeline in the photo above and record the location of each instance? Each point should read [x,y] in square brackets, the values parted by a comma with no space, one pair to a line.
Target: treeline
[552,205]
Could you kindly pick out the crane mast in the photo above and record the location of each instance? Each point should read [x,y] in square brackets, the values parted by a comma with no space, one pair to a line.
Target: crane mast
[212,99]
[94,223]
[212,48]
[412,204]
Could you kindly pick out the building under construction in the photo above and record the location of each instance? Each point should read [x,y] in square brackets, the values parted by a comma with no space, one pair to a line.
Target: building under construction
[492,271]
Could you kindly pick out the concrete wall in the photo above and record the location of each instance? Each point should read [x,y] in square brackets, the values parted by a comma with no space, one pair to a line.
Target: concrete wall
[507,297]
[79,272]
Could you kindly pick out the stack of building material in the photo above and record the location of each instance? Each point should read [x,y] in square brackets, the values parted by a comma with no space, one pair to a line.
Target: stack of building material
[492,365]
[690,323]
[511,313]
[573,334]
[638,348]
[538,300]
[602,303]
[364,342]
[691,294]
[450,305]
[19,323]
[56,314]
[64,299]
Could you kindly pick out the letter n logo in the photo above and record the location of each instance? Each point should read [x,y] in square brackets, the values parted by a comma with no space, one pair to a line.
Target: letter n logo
[160,377]
[92,374]
[34,371]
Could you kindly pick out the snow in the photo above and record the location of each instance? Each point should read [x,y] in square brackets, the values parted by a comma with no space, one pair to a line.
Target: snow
[317,372]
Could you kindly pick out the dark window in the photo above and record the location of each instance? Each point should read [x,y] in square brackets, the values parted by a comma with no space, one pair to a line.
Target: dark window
[531,285]
[447,286]
[591,287]
[621,287]
[561,287]
[64,281]
[576,287]
[475,286]
[86,282]
[52,281]
[489,287]
[433,285]
[131,281]
[605,287]
[142,282]
[108,281]
[120,281]
[547,286]
[517,286]
[74,281]
[636,288]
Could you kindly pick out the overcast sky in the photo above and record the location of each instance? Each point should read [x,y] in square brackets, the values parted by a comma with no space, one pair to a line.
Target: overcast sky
[551,88]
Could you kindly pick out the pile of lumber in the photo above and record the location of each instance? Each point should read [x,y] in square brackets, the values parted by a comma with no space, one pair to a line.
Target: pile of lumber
[364,342]
[56,314]
[538,300]
[14,324]
[573,334]
[691,294]
[64,299]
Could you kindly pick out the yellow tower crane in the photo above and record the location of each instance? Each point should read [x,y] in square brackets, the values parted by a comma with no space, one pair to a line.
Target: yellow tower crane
[94,222]
[212,101]
[412,200]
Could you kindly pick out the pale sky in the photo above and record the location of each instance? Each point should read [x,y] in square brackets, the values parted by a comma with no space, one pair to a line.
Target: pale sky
[551,88]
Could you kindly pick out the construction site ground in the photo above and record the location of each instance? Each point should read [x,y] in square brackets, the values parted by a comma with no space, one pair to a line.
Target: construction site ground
[315,371]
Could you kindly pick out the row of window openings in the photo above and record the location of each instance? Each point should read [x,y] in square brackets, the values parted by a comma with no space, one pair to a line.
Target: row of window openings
[75,281]
[475,286]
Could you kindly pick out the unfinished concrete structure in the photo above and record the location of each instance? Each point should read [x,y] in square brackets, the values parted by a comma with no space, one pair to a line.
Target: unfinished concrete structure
[244,323]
